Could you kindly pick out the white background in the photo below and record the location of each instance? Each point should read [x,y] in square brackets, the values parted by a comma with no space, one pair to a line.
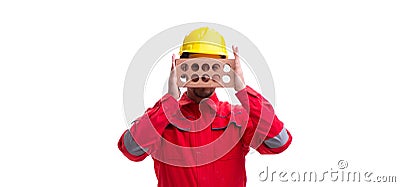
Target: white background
[63,63]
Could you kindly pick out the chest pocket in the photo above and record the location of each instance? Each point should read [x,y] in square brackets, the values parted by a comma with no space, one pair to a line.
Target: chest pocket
[226,135]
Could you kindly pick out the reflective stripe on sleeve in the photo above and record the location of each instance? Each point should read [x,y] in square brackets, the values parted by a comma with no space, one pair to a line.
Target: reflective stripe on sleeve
[277,141]
[131,146]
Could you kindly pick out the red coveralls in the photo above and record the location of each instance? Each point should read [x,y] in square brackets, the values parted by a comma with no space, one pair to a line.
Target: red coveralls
[253,124]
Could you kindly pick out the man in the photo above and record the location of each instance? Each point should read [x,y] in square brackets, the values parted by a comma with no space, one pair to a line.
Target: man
[198,140]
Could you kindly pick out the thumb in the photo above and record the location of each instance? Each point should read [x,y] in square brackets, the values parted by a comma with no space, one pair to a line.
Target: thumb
[173,62]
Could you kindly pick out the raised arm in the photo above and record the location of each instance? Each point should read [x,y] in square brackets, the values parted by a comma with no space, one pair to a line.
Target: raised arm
[265,132]
[144,137]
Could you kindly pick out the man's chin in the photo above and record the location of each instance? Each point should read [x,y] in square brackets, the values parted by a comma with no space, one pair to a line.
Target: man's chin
[204,92]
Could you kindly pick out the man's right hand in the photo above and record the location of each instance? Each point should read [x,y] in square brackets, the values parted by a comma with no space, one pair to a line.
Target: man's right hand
[173,88]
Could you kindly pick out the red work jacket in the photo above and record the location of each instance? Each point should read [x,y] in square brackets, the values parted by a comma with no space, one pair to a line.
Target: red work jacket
[205,144]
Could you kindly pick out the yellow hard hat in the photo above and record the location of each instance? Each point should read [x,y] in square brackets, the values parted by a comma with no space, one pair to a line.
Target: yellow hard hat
[205,41]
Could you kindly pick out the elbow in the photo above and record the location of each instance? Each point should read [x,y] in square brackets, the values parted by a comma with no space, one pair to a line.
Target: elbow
[130,148]
[277,144]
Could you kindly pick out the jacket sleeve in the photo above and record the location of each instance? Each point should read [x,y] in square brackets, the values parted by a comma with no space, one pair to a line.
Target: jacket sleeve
[264,132]
[144,136]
